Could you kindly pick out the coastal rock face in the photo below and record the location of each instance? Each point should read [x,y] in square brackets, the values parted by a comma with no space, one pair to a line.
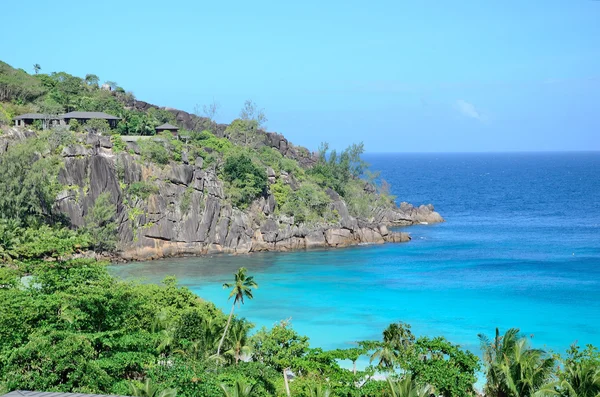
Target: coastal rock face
[184,210]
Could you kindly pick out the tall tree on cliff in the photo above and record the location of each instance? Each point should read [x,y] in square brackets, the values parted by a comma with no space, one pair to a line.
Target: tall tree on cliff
[242,287]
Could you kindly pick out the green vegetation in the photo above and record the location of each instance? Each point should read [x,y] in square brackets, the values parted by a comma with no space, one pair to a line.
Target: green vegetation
[73,327]
[246,179]
[100,223]
[241,287]
[67,325]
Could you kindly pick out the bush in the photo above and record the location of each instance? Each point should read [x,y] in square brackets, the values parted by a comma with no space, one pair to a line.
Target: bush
[155,151]
[308,204]
[118,143]
[142,189]
[247,180]
[208,140]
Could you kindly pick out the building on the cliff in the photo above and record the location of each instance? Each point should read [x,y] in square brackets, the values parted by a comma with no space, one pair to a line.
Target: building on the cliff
[83,117]
[167,127]
[48,121]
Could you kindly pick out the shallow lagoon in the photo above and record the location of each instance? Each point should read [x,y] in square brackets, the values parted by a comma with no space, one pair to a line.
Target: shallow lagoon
[520,248]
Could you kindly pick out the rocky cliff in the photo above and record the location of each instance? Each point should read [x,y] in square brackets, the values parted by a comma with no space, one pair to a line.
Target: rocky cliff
[187,212]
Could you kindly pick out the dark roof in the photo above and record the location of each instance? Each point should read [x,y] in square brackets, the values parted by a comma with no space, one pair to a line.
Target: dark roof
[167,126]
[24,393]
[37,116]
[89,115]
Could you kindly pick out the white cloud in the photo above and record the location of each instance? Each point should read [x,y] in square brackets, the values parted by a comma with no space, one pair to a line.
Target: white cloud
[468,109]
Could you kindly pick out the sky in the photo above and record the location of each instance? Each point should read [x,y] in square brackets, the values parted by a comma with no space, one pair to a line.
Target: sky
[400,76]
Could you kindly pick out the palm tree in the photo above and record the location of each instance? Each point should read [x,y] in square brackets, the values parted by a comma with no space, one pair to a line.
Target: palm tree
[407,387]
[238,338]
[242,287]
[37,68]
[239,389]
[386,354]
[514,369]
[581,379]
[147,389]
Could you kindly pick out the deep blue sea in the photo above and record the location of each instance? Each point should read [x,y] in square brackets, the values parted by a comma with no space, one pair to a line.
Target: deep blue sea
[520,248]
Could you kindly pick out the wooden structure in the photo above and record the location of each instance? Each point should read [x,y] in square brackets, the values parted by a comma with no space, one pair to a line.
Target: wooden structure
[168,127]
[83,117]
[46,120]
[49,121]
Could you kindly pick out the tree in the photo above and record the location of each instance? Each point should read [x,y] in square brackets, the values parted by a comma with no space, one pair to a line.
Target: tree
[29,184]
[147,389]
[241,288]
[352,354]
[397,342]
[445,366]
[37,68]
[209,111]
[97,126]
[239,389]
[580,374]
[246,179]
[336,170]
[92,80]
[113,85]
[512,368]
[238,340]
[250,112]
[408,387]
[100,223]
[280,348]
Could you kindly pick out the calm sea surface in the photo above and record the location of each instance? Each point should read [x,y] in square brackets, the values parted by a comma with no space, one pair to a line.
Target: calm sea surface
[520,248]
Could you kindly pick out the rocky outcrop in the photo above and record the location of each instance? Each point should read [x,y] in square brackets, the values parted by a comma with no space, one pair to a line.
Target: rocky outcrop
[181,209]
[188,215]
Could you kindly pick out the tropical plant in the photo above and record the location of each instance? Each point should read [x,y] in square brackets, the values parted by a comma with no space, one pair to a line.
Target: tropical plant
[241,288]
[238,340]
[513,368]
[148,389]
[408,387]
[318,390]
[37,68]
[580,374]
[240,388]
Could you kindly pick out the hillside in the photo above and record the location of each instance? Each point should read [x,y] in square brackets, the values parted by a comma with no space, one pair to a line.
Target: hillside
[215,188]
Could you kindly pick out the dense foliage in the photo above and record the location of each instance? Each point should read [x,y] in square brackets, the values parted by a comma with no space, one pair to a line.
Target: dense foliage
[67,325]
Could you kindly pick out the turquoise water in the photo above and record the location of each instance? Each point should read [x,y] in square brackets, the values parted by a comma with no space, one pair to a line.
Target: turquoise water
[520,248]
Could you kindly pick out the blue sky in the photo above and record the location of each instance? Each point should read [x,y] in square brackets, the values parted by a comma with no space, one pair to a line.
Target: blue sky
[417,76]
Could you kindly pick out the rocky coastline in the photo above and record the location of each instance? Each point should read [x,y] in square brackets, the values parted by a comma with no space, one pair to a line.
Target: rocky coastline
[160,225]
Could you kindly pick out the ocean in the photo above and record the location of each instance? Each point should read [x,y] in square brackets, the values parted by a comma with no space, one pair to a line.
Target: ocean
[520,248]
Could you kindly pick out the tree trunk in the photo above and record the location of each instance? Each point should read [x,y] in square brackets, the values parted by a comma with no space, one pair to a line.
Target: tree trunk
[354,367]
[285,380]
[225,332]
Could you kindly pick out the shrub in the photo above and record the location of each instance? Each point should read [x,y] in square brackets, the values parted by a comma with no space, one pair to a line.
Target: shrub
[155,151]
[119,144]
[208,140]
[141,189]
[247,180]
[308,204]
